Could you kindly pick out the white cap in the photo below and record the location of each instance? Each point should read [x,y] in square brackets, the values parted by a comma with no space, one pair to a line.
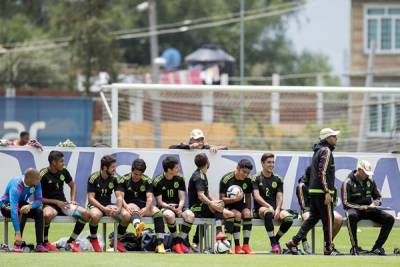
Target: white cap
[366,167]
[196,134]
[326,132]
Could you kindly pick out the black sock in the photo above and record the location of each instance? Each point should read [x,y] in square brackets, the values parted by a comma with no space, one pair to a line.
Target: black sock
[46,233]
[172,229]
[247,226]
[236,232]
[269,227]
[185,229]
[158,222]
[218,221]
[229,227]
[121,230]
[79,225]
[286,224]
[39,221]
[93,231]
[135,218]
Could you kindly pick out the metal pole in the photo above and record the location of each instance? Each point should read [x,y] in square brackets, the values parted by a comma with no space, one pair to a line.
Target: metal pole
[242,125]
[155,72]
[114,121]
[275,101]
[369,81]
[320,101]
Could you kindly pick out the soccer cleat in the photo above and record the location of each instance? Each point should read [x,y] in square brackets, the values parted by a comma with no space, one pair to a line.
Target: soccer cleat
[177,248]
[41,248]
[160,249]
[139,229]
[220,236]
[306,248]
[17,248]
[292,247]
[238,250]
[195,247]
[184,248]
[95,245]
[378,251]
[73,246]
[246,249]
[50,247]
[276,249]
[120,247]
[331,252]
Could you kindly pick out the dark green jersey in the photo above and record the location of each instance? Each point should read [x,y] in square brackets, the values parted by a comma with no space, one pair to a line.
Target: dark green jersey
[53,183]
[268,188]
[198,182]
[229,179]
[103,188]
[135,192]
[169,189]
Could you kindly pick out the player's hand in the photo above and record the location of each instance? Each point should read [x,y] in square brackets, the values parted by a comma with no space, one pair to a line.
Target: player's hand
[328,199]
[364,207]
[144,211]
[376,203]
[108,211]
[62,205]
[26,209]
[18,238]
[214,149]
[239,196]
[73,202]
[130,210]
[178,211]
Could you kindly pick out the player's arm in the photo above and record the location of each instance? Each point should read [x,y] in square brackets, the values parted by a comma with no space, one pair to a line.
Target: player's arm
[182,196]
[72,186]
[247,197]
[119,195]
[228,200]
[346,194]
[161,203]
[37,197]
[260,200]
[14,210]
[92,200]
[376,195]
[323,166]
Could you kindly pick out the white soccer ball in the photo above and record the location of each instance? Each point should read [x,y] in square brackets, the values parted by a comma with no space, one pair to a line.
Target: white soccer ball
[222,246]
[233,191]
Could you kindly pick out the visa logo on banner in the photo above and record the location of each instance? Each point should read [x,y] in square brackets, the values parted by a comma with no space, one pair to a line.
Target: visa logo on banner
[81,162]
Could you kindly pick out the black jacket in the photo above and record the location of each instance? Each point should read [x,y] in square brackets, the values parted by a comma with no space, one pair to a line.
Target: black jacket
[322,179]
[357,193]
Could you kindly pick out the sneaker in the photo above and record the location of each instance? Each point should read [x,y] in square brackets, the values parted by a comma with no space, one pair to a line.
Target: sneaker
[378,251]
[120,247]
[73,246]
[195,247]
[246,249]
[41,248]
[95,245]
[306,248]
[184,248]
[292,248]
[139,229]
[238,250]
[160,249]
[220,236]
[276,249]
[17,248]
[177,248]
[50,247]
[332,252]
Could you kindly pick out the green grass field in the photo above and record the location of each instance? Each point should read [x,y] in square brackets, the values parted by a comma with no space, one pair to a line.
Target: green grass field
[259,242]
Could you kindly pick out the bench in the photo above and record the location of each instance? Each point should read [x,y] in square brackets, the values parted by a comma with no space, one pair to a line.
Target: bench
[207,228]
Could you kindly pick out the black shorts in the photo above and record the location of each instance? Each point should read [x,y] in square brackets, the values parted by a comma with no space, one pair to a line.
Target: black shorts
[6,211]
[140,204]
[59,211]
[236,206]
[201,210]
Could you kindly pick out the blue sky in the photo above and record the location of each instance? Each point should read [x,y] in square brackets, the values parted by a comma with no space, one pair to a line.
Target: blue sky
[323,26]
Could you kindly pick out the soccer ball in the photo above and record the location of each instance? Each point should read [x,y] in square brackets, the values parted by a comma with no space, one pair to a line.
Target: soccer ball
[222,246]
[233,191]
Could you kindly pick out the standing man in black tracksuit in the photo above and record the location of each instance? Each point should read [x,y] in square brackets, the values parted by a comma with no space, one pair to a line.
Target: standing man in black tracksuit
[321,190]
[361,200]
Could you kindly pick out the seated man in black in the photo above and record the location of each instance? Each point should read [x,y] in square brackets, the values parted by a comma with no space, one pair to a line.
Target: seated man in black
[361,200]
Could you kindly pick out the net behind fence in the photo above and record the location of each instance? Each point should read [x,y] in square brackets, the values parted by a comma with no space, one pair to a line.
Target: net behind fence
[254,120]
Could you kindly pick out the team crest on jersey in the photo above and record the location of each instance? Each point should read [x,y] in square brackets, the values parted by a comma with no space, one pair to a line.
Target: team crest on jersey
[111,185]
[62,177]
[368,184]
[32,190]
[274,185]
[244,186]
[176,185]
[142,188]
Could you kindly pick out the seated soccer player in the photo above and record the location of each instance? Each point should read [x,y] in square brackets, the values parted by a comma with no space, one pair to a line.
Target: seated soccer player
[304,202]
[137,191]
[101,185]
[52,180]
[268,200]
[15,204]
[203,204]
[361,200]
[239,204]
[170,192]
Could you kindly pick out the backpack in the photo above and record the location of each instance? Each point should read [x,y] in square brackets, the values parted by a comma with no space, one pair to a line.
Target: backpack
[129,241]
[149,240]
